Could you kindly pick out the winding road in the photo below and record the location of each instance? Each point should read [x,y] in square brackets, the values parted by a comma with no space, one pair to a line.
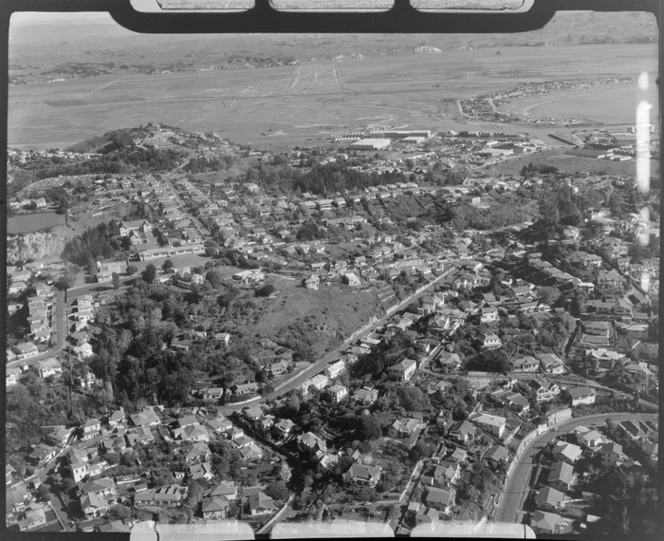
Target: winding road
[516,486]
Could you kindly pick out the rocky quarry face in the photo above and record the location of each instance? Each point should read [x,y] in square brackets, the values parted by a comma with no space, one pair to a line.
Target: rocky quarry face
[33,246]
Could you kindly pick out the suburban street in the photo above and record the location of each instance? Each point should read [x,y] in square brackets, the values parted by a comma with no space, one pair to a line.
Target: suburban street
[318,366]
[516,487]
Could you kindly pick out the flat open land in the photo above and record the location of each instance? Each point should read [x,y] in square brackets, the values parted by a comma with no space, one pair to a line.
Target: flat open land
[304,104]
[29,223]
[569,164]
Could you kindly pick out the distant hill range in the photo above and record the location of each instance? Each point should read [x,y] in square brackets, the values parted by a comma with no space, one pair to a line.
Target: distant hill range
[39,49]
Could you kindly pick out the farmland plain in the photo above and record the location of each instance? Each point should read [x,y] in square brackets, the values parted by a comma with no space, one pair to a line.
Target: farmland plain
[277,108]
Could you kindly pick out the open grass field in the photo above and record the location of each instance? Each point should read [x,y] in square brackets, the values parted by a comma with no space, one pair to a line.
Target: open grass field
[570,164]
[29,223]
[326,315]
[304,104]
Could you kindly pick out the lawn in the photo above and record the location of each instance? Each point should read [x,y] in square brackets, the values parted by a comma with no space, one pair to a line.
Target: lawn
[29,223]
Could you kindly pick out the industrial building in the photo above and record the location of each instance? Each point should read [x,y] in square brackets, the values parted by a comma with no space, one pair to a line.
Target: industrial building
[400,134]
[370,144]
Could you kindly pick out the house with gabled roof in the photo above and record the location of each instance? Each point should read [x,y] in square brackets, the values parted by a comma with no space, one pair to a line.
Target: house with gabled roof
[462,431]
[446,473]
[363,475]
[591,439]
[611,454]
[567,452]
[259,503]
[404,370]
[526,363]
[496,455]
[310,443]
[42,453]
[580,395]
[442,499]
[545,522]
[365,396]
[147,417]
[283,427]
[138,436]
[549,499]
[561,476]
[214,508]
[194,432]
[490,340]
[199,452]
[552,364]
[494,424]
[166,496]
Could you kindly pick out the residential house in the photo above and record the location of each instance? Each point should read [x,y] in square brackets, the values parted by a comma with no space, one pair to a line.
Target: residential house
[95,505]
[215,508]
[545,522]
[611,454]
[363,475]
[446,473]
[493,424]
[462,432]
[25,351]
[225,489]
[138,436]
[441,499]
[404,370]
[526,364]
[365,396]
[549,499]
[604,359]
[545,390]
[333,370]
[567,452]
[12,376]
[48,367]
[451,361]
[195,433]
[516,402]
[497,455]
[105,271]
[489,314]
[166,496]
[351,279]
[338,393]
[90,429]
[259,503]
[580,395]
[283,427]
[319,382]
[41,454]
[561,476]
[243,389]
[213,394]
[405,427]
[58,435]
[552,364]
[199,452]
[459,455]
[310,443]
[591,439]
[490,341]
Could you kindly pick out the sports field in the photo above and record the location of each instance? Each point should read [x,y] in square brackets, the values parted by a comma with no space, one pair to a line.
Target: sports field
[304,104]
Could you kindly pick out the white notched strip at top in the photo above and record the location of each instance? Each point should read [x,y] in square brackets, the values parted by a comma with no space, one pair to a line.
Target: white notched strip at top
[332,5]
[509,6]
[495,6]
